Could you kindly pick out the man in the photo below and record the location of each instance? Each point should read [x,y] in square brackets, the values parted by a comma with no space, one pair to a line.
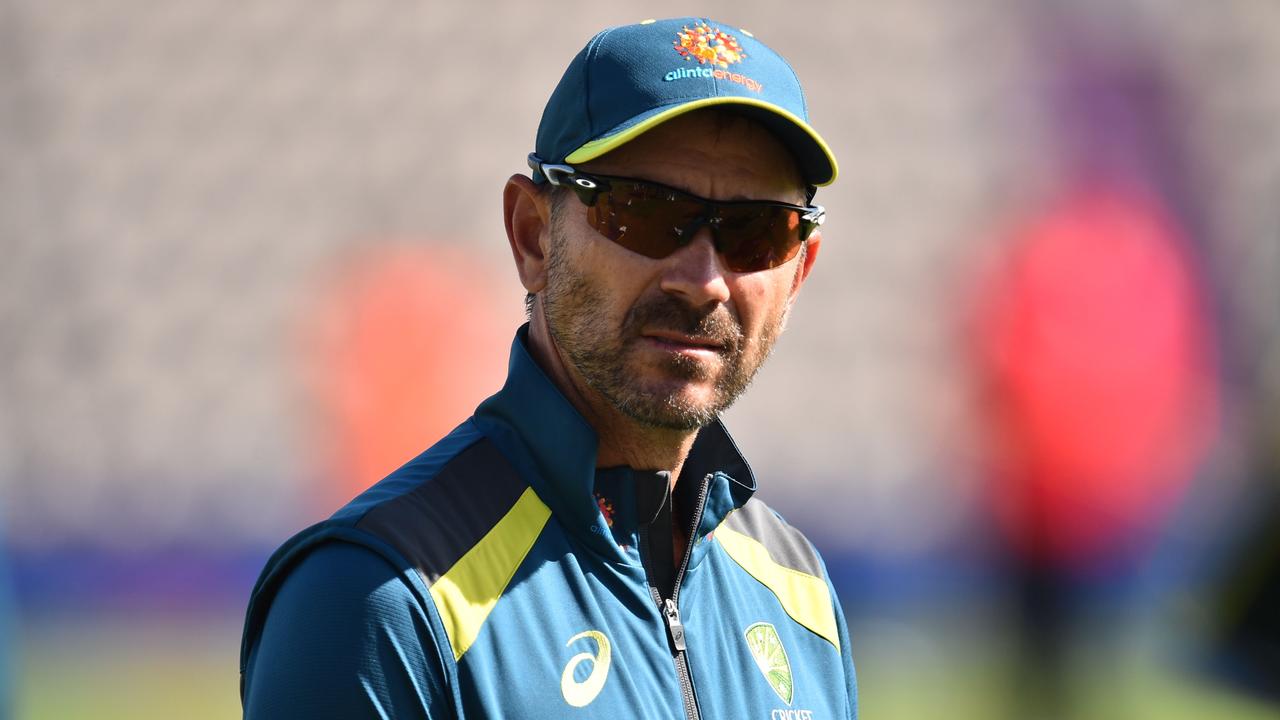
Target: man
[587,544]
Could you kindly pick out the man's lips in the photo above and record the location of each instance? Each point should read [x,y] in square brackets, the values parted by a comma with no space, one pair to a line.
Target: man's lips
[668,337]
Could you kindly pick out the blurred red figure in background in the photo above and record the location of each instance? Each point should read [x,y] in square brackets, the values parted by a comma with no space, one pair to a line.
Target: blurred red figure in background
[403,343]
[1094,351]
[1096,355]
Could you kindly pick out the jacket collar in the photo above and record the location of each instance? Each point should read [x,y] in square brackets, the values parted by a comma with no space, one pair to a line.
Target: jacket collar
[554,447]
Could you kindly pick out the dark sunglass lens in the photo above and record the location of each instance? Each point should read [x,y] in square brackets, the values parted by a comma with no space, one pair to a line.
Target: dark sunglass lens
[643,218]
[759,238]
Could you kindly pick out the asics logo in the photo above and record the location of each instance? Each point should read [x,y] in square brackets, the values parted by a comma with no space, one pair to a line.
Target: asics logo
[580,694]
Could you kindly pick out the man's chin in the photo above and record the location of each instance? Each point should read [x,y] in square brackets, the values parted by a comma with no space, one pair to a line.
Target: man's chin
[667,417]
[677,386]
[672,405]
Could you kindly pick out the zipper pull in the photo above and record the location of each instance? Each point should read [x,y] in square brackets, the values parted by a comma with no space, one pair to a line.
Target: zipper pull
[674,627]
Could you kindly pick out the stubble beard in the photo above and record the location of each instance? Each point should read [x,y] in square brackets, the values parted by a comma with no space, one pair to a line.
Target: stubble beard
[605,356]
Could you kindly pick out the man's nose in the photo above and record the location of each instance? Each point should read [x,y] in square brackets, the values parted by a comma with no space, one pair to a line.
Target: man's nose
[697,272]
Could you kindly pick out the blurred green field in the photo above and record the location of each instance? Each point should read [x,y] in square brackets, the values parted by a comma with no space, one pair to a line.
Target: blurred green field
[970,686]
[129,666]
[169,666]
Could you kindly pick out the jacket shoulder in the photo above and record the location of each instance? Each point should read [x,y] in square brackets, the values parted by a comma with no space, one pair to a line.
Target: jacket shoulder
[781,559]
[437,521]
[786,545]
[464,533]
[422,519]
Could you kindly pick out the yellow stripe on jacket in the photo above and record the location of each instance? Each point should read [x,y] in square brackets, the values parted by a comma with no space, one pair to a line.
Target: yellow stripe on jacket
[467,593]
[804,597]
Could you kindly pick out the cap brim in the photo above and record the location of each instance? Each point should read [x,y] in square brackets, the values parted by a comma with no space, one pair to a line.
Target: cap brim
[814,157]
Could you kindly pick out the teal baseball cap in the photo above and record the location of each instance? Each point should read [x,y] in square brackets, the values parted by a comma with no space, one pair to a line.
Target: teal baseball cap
[632,78]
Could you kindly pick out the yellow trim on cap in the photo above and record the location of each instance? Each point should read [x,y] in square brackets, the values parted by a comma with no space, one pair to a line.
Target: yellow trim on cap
[804,597]
[467,593]
[595,148]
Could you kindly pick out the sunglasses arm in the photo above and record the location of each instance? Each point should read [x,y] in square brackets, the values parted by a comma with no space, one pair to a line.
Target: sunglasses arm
[584,186]
[553,173]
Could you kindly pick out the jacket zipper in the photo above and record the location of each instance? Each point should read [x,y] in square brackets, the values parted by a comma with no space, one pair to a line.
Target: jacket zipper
[670,611]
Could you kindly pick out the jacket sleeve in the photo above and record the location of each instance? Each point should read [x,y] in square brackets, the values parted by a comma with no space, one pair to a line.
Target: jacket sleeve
[846,655]
[345,637]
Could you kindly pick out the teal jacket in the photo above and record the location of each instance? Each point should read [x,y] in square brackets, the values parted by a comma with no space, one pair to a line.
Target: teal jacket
[501,575]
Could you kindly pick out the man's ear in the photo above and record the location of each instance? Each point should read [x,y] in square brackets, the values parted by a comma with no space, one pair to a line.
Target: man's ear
[526,210]
[812,246]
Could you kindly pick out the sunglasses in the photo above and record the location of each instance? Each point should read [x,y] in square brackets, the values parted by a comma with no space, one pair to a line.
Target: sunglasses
[656,220]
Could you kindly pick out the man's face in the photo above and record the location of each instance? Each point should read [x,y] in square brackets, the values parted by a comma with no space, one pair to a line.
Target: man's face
[672,342]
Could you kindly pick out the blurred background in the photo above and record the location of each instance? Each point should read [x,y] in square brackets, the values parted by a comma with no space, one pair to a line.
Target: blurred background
[1028,407]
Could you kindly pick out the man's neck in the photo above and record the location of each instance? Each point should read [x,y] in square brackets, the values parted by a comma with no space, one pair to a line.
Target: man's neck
[622,440]
[642,449]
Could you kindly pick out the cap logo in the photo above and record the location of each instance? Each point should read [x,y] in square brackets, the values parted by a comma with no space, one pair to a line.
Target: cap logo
[715,50]
[708,45]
